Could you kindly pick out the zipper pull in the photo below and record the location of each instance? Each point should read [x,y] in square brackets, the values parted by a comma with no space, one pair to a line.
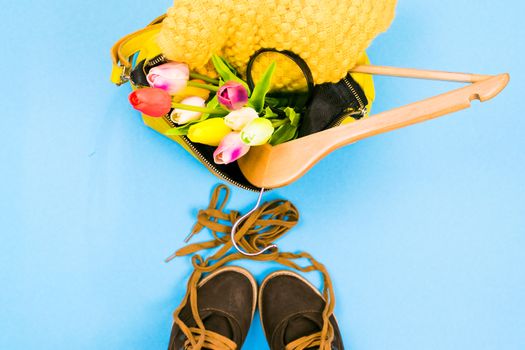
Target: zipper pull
[358,114]
[363,112]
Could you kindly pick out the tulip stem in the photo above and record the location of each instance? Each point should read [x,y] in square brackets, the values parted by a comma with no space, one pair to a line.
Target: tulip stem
[213,111]
[203,86]
[204,77]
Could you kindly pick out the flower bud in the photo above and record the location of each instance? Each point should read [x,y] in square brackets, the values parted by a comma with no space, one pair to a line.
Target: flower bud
[230,149]
[151,101]
[209,132]
[257,132]
[181,116]
[232,95]
[171,77]
[240,118]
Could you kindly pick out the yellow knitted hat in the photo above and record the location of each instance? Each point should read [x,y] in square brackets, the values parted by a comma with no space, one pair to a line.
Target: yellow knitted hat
[329,35]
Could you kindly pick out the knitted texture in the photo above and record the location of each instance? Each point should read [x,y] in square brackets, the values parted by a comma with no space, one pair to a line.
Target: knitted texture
[329,35]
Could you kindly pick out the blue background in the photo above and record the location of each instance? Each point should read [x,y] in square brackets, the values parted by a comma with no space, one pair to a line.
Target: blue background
[422,229]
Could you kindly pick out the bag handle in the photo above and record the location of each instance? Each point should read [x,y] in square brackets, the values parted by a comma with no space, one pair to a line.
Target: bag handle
[291,55]
[124,49]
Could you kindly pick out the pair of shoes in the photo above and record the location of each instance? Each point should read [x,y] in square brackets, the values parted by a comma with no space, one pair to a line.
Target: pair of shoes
[290,309]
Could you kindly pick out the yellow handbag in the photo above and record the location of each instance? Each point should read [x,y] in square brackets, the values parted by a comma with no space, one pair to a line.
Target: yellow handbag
[139,51]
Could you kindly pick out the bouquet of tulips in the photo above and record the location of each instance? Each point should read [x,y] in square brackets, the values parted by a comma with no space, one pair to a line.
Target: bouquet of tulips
[228,115]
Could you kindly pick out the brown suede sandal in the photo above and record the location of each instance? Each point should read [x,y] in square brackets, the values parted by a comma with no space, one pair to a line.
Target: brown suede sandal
[226,302]
[291,312]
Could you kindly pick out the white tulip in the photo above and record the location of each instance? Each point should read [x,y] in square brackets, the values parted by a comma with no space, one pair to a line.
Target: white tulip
[258,132]
[181,116]
[239,118]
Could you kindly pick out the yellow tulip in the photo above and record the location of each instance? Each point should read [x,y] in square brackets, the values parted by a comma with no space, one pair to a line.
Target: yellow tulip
[209,132]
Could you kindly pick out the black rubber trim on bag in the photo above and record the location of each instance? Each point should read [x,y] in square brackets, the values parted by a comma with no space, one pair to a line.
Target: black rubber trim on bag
[138,76]
[291,55]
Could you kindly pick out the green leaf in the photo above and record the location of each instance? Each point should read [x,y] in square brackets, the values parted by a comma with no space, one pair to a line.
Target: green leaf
[278,122]
[213,103]
[179,131]
[225,72]
[293,116]
[261,89]
[269,114]
[284,133]
[228,64]
[274,102]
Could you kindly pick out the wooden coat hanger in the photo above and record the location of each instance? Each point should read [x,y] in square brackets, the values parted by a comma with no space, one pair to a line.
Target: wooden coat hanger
[276,166]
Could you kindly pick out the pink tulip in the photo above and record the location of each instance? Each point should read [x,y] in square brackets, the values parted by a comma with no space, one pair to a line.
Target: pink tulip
[230,149]
[151,101]
[232,95]
[171,77]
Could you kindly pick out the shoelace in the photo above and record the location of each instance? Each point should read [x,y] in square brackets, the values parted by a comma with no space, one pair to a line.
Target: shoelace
[265,225]
[313,340]
[212,340]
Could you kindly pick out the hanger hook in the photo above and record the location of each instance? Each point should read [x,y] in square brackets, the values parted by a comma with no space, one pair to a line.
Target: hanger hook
[239,221]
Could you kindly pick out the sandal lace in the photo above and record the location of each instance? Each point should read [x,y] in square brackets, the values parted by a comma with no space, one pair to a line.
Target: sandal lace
[312,341]
[211,340]
[265,225]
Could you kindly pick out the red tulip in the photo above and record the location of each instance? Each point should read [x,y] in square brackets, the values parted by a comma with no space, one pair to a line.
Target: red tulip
[151,101]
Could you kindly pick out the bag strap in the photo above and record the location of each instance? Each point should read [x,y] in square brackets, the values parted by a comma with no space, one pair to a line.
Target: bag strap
[124,49]
[291,55]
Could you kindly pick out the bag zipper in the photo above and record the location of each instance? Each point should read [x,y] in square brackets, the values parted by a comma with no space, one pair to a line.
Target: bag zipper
[362,106]
[359,112]
[362,111]
[208,164]
[213,169]
[155,61]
